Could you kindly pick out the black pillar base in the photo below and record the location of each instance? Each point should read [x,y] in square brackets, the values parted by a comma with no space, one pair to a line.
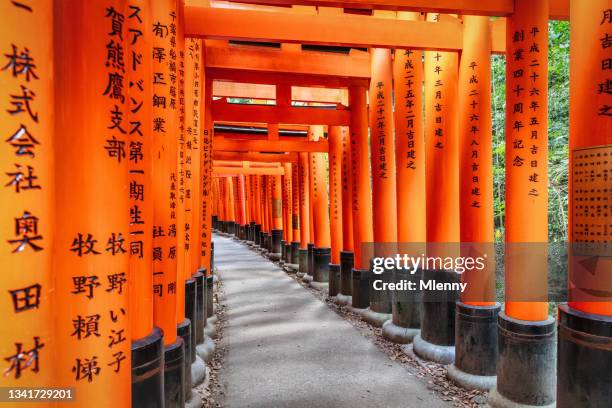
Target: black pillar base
[174,374]
[321,258]
[265,239]
[283,250]
[209,296]
[215,222]
[183,330]
[405,321]
[148,370]
[334,279]
[257,234]
[221,225]
[584,359]
[277,237]
[303,254]
[310,259]
[360,288]
[526,363]
[346,266]
[251,234]
[191,315]
[380,300]
[475,346]
[295,254]
[287,254]
[200,320]
[438,318]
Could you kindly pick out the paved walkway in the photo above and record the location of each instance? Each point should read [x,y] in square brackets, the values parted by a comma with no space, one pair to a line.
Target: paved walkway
[288,349]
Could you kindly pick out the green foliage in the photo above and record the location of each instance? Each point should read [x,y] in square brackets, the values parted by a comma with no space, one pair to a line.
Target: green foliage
[558,130]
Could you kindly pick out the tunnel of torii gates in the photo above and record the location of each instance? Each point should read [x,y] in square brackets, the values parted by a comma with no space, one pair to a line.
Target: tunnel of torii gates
[124,147]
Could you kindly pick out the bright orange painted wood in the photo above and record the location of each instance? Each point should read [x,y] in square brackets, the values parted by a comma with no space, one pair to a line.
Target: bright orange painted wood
[382,147]
[590,126]
[360,169]
[27,196]
[206,163]
[527,160]
[269,146]
[233,112]
[140,172]
[193,140]
[276,202]
[305,206]
[227,170]
[256,157]
[476,159]
[441,150]
[342,30]
[409,144]
[320,200]
[288,202]
[558,9]
[347,186]
[284,77]
[181,152]
[295,203]
[90,250]
[335,192]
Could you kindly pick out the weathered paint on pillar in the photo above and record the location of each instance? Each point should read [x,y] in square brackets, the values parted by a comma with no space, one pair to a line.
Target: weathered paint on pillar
[441,147]
[91,251]
[526,159]
[304,169]
[295,202]
[382,146]
[335,192]
[165,125]
[27,338]
[320,201]
[193,126]
[360,169]
[410,143]
[590,134]
[476,159]
[140,142]
[347,184]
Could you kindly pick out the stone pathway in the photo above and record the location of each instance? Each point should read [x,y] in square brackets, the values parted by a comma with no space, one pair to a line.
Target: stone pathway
[288,349]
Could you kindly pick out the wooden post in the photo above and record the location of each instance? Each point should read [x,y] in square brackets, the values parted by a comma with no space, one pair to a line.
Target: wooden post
[522,356]
[28,342]
[91,257]
[588,314]
[383,172]
[361,201]
[442,195]
[335,206]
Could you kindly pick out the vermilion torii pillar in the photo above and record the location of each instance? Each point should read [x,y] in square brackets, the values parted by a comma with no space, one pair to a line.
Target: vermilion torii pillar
[335,207]
[304,189]
[288,205]
[410,169]
[91,257]
[437,337]
[383,175]
[347,254]
[295,218]
[147,358]
[361,202]
[526,364]
[476,312]
[27,337]
[165,134]
[320,216]
[585,323]
[276,213]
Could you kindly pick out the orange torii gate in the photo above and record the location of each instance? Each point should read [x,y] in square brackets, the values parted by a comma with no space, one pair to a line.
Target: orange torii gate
[144,128]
